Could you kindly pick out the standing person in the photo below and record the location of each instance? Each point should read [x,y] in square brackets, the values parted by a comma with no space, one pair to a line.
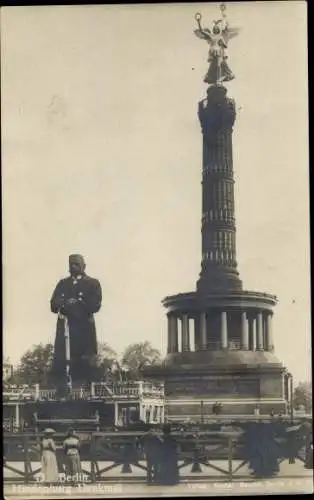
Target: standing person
[308,464]
[71,448]
[217,408]
[306,434]
[49,464]
[293,443]
[152,447]
[77,298]
[168,467]
[257,411]
[262,451]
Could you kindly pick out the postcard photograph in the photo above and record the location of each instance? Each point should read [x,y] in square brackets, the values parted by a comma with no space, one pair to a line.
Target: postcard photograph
[156,250]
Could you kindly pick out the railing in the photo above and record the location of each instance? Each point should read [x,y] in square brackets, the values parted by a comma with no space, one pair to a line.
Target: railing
[152,390]
[200,450]
[18,393]
[215,345]
[135,390]
[47,394]
[97,390]
[234,345]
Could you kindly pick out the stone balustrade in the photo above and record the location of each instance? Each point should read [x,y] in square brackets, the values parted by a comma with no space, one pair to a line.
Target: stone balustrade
[97,389]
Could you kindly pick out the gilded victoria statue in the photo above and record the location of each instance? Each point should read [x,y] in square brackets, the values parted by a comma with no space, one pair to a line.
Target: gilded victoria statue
[217,37]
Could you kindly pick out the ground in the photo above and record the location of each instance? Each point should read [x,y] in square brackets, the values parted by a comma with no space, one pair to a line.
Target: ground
[188,489]
[291,480]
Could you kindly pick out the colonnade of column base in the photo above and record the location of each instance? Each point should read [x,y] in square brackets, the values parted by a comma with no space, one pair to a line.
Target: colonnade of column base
[256,332]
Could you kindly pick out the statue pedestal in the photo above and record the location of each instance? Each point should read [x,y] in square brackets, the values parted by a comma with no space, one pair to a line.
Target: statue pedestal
[240,381]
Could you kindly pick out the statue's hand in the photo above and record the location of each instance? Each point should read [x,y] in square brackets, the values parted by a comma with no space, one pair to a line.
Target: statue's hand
[67,307]
[71,301]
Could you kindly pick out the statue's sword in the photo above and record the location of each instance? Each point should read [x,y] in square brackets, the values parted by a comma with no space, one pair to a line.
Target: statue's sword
[67,352]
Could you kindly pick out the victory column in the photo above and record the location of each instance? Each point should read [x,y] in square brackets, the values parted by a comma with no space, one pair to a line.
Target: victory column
[231,361]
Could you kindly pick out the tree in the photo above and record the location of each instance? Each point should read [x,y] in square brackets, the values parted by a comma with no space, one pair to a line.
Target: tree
[106,352]
[138,355]
[104,360]
[303,396]
[35,366]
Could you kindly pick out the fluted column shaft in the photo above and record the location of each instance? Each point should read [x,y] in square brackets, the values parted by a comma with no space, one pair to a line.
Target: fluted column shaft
[169,345]
[269,332]
[203,331]
[252,332]
[185,333]
[219,266]
[197,334]
[172,333]
[244,331]
[224,331]
[259,331]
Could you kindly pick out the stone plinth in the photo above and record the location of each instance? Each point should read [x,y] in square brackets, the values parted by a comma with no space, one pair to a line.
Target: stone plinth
[240,381]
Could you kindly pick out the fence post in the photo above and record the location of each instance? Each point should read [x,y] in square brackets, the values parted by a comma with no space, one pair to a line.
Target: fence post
[127,452]
[196,466]
[17,416]
[291,398]
[92,390]
[27,463]
[37,393]
[230,457]
[92,459]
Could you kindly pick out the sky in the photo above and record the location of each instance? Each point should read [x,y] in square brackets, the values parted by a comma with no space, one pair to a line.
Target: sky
[101,155]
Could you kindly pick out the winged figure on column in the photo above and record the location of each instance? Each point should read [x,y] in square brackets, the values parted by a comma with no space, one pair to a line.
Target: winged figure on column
[218,38]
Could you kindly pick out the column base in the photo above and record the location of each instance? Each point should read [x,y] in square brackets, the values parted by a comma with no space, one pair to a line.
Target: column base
[212,282]
[232,410]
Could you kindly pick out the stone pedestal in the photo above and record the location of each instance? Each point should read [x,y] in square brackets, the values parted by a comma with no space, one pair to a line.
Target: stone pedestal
[240,381]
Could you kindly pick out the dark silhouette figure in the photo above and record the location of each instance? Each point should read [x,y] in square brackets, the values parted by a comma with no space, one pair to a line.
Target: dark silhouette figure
[217,408]
[294,442]
[308,438]
[168,468]
[261,450]
[297,437]
[151,444]
[309,452]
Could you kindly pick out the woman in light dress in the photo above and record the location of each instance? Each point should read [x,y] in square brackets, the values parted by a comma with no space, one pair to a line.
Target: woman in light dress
[48,457]
[71,447]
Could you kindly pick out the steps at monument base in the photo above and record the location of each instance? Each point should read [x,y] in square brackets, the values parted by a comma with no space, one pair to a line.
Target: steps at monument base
[194,410]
